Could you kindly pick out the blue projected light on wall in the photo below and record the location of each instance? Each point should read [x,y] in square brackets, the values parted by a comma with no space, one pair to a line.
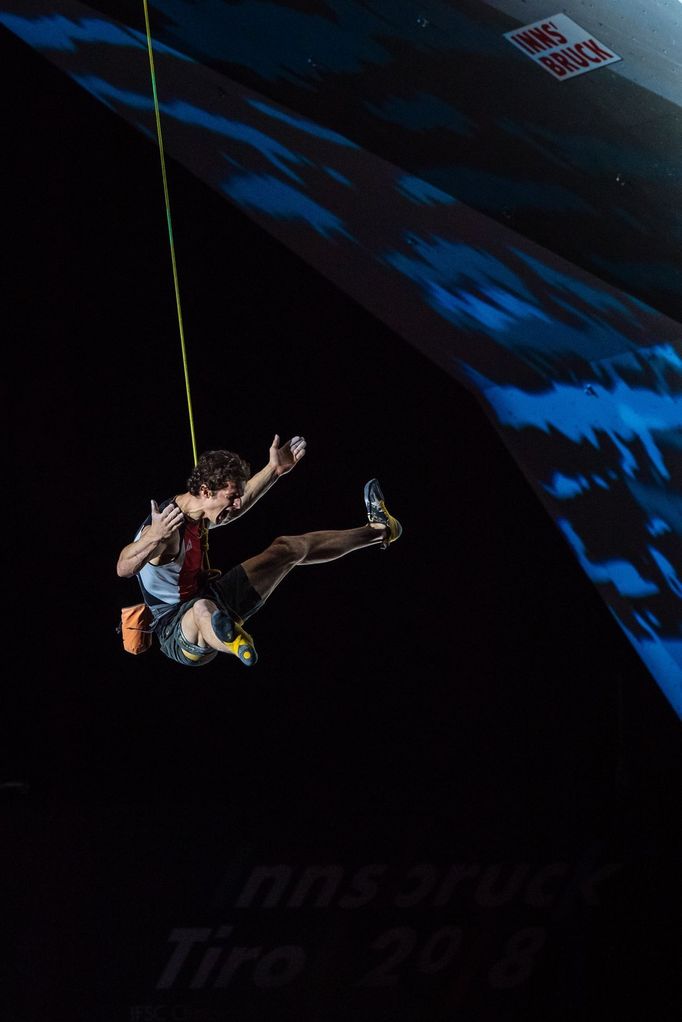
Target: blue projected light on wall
[582,380]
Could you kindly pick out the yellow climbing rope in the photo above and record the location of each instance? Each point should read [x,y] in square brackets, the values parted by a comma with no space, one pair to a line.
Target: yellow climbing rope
[170,227]
[164,178]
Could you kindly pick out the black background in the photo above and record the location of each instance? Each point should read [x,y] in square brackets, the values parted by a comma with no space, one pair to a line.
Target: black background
[464,696]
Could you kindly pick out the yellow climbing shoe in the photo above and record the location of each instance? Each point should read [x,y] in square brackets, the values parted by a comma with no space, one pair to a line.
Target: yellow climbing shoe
[234,637]
[377,513]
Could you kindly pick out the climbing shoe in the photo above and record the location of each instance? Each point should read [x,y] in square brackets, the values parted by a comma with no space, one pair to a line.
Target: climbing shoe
[232,634]
[377,513]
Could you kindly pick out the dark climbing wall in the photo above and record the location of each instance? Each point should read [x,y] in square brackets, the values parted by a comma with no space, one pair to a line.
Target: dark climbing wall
[582,379]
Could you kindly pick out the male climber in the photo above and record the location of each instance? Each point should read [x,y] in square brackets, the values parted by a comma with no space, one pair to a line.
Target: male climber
[194,616]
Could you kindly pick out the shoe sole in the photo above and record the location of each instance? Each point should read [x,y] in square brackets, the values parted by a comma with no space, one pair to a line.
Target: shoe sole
[394,527]
[240,644]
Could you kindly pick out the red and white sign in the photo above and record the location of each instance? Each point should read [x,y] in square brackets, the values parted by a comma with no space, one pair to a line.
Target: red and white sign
[561,47]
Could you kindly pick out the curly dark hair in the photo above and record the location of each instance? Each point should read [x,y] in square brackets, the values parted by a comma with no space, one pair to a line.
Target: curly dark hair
[215,469]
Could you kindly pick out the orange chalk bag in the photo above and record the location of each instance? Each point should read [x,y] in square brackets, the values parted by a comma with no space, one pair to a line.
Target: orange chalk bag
[135,628]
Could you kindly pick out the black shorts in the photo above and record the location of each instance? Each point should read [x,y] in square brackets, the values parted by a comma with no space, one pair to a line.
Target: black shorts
[232,592]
